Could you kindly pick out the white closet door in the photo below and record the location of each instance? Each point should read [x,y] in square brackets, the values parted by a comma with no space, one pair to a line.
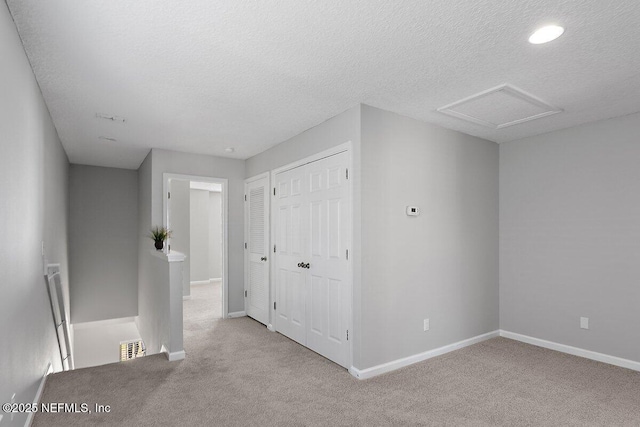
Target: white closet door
[292,221]
[329,294]
[312,229]
[257,286]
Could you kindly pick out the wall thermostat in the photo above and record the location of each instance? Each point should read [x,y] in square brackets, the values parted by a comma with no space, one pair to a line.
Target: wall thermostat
[413,210]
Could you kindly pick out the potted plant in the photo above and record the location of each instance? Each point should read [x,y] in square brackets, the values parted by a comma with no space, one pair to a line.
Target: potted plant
[159,234]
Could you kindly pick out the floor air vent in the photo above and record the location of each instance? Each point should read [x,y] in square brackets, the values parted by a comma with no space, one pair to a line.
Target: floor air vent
[131,350]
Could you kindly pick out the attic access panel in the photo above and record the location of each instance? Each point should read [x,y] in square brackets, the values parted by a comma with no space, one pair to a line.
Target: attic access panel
[500,107]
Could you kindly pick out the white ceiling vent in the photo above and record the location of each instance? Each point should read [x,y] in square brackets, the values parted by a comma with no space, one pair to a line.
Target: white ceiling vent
[500,107]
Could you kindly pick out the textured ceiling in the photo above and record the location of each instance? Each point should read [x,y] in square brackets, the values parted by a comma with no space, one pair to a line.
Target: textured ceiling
[202,75]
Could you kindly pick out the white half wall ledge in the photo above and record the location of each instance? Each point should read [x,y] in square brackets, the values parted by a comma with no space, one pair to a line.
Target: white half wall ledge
[236,314]
[575,351]
[172,256]
[106,322]
[363,374]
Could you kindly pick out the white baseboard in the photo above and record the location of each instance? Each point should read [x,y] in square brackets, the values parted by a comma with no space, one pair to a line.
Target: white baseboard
[363,374]
[178,355]
[172,357]
[235,314]
[186,297]
[36,399]
[588,354]
[215,279]
[200,282]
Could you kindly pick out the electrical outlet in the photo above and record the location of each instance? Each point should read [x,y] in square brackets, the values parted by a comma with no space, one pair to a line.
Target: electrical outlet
[584,323]
[426,324]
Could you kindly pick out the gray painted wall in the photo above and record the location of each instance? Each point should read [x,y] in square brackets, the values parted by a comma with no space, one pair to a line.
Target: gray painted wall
[103,243]
[180,226]
[164,161]
[441,265]
[199,235]
[570,236]
[215,235]
[149,301]
[161,329]
[34,194]
[335,131]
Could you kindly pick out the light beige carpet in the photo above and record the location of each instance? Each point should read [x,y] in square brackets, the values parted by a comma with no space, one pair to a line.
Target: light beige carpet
[238,373]
[203,306]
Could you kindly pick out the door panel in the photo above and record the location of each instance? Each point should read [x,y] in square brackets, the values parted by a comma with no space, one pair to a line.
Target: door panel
[316,228]
[335,290]
[257,238]
[334,229]
[317,319]
[330,303]
[290,246]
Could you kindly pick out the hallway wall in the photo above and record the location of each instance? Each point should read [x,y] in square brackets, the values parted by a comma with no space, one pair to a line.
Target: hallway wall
[441,265]
[103,243]
[200,258]
[34,218]
[570,236]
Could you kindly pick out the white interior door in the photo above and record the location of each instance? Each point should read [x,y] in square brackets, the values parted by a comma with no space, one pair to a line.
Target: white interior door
[292,212]
[313,284]
[257,251]
[329,291]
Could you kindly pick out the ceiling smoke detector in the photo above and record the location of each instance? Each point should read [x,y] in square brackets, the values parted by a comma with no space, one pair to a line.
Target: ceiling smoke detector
[546,34]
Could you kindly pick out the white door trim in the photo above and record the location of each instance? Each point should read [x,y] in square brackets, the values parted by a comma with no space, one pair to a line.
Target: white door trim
[166,177]
[344,147]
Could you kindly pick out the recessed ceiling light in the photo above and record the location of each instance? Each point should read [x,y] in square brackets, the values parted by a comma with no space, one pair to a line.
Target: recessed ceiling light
[546,34]
[229,149]
[106,138]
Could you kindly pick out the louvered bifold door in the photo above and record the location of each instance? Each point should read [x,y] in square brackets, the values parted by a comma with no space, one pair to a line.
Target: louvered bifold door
[257,249]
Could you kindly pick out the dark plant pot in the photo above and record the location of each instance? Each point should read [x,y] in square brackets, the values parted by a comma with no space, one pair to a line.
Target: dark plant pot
[159,244]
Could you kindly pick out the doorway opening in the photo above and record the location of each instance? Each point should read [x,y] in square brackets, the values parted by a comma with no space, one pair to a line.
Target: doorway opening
[196,214]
